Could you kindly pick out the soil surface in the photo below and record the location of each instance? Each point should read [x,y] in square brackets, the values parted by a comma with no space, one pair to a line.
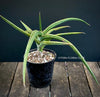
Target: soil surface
[40,57]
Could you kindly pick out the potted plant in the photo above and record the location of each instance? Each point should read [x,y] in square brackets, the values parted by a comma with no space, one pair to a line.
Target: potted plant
[39,62]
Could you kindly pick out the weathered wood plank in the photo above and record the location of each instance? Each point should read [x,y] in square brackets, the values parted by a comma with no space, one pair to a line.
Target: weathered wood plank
[93,85]
[59,85]
[7,70]
[99,64]
[39,92]
[78,82]
[1,63]
[18,90]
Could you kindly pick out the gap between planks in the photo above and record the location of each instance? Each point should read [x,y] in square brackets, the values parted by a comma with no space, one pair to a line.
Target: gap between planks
[95,88]
[18,90]
[77,78]
[52,90]
[59,85]
[7,72]
[12,80]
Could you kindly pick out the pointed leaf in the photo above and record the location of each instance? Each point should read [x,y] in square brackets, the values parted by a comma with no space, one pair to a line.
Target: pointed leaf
[57,28]
[54,43]
[14,26]
[51,36]
[75,50]
[84,61]
[69,33]
[40,22]
[26,27]
[62,21]
[28,47]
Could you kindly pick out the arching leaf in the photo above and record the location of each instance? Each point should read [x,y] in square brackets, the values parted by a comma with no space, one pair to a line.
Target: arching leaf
[57,28]
[28,47]
[62,21]
[54,43]
[75,50]
[69,33]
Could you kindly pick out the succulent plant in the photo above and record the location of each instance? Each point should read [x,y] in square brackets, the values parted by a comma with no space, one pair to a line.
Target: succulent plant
[44,37]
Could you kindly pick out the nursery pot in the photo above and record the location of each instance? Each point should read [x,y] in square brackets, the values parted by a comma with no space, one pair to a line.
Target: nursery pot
[40,74]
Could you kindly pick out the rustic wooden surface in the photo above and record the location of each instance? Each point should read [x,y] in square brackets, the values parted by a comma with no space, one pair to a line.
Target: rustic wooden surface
[70,79]
[78,82]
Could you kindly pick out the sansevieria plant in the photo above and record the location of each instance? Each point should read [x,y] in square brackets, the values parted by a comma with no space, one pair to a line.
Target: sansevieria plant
[44,37]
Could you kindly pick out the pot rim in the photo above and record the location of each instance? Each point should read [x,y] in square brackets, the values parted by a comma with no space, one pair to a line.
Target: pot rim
[52,51]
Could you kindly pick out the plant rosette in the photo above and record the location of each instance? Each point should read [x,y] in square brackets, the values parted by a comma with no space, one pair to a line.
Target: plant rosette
[43,38]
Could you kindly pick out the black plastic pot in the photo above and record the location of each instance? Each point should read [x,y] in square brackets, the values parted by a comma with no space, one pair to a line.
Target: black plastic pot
[40,75]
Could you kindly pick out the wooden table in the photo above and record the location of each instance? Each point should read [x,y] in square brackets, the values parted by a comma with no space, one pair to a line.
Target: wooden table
[70,79]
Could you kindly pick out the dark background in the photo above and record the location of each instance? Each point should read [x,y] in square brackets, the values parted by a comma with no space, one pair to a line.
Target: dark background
[13,43]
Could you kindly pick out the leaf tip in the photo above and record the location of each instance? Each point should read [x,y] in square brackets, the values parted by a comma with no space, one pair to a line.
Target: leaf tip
[1,16]
[68,26]
[89,25]
[83,32]
[24,84]
[39,13]
[21,21]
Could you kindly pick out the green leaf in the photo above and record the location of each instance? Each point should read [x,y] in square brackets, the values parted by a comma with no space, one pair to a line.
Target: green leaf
[57,28]
[54,43]
[69,33]
[44,43]
[51,36]
[75,50]
[28,47]
[14,26]
[62,21]
[26,27]
[40,22]
[84,61]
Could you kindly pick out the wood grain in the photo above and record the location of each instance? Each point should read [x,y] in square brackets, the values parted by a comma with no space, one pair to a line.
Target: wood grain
[1,63]
[59,85]
[99,64]
[78,82]
[18,90]
[39,92]
[7,70]
[93,85]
